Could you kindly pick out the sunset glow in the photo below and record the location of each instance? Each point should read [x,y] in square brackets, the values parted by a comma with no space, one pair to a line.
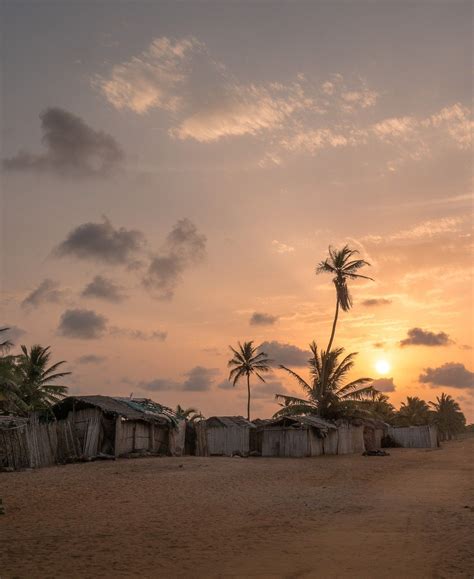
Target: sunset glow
[382,366]
[172,173]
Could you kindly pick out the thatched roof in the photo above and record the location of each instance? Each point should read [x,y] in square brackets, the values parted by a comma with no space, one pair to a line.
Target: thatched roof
[228,422]
[142,409]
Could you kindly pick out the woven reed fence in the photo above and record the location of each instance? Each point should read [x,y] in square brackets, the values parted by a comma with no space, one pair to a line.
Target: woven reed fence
[34,444]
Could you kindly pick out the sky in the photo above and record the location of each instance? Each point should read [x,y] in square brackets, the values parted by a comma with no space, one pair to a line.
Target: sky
[173,172]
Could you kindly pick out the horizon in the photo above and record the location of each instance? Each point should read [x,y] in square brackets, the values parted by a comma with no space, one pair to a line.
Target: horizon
[172,176]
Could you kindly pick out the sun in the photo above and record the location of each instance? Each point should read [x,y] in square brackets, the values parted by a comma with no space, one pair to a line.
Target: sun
[382,366]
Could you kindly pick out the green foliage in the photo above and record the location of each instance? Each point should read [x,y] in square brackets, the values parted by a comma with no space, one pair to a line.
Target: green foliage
[326,394]
[247,360]
[378,405]
[447,416]
[413,412]
[27,384]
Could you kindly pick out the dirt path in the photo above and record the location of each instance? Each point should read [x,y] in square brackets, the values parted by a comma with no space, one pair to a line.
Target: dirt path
[353,516]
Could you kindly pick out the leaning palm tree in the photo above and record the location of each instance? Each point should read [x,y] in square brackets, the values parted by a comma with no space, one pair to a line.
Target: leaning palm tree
[343,266]
[413,412]
[447,416]
[247,360]
[326,393]
[36,379]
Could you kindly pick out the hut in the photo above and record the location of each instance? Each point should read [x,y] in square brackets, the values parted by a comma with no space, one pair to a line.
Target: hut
[120,426]
[223,436]
[415,436]
[296,436]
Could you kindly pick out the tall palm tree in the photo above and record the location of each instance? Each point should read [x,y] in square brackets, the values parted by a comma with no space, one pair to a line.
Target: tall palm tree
[326,394]
[247,360]
[448,416]
[413,412]
[36,379]
[343,266]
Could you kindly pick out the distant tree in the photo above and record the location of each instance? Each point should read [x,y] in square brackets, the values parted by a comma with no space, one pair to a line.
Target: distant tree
[36,379]
[447,416]
[326,394]
[379,406]
[190,414]
[10,393]
[343,266]
[413,412]
[247,360]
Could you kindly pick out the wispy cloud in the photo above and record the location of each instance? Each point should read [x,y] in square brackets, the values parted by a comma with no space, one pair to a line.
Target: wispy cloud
[150,80]
[48,291]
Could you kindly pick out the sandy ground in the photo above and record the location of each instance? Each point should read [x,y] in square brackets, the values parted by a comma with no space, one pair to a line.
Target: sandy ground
[348,516]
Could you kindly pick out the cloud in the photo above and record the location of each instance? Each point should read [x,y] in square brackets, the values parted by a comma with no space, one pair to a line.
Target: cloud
[282,247]
[268,390]
[158,335]
[419,337]
[82,324]
[73,148]
[285,354]
[184,247]
[91,359]
[456,120]
[150,80]
[239,110]
[47,292]
[451,374]
[312,140]
[395,128]
[261,319]
[371,302]
[104,289]
[384,385]
[13,333]
[200,379]
[159,385]
[225,385]
[102,242]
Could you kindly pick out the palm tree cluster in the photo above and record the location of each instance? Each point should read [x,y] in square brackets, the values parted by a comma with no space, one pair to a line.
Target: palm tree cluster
[27,381]
[445,413]
[327,393]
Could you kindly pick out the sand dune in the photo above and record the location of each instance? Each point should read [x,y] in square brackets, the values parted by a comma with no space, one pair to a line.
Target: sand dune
[343,516]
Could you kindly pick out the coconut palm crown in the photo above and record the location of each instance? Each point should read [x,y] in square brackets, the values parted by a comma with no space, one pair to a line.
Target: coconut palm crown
[36,379]
[343,265]
[326,394]
[246,361]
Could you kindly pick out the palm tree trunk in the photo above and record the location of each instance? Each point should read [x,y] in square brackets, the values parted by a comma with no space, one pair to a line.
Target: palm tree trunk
[248,399]
[333,325]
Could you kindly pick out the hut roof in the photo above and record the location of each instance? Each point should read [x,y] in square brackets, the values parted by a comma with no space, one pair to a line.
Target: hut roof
[229,421]
[308,421]
[142,409]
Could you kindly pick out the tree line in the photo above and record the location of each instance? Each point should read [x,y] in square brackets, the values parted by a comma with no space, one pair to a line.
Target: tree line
[28,383]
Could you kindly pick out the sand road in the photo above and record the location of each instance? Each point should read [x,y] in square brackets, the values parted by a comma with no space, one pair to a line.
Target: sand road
[349,516]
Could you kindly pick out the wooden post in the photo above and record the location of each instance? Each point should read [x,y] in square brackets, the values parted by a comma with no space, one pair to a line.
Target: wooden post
[118,435]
